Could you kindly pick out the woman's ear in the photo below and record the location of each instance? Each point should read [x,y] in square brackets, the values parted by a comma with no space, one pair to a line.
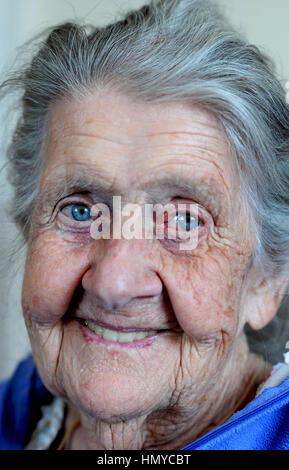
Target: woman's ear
[263,301]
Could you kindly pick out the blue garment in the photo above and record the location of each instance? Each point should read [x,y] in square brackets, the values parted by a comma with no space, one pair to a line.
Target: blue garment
[262,425]
[21,397]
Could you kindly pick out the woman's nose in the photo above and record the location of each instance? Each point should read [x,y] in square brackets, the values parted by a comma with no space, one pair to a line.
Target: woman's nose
[122,274]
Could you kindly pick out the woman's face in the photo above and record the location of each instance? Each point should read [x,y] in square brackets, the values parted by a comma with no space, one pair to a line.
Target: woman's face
[108,145]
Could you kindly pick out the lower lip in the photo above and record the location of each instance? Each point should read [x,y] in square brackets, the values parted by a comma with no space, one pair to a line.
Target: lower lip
[137,344]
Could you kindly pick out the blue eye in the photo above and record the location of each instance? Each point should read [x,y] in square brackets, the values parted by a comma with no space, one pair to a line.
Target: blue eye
[187,222]
[79,212]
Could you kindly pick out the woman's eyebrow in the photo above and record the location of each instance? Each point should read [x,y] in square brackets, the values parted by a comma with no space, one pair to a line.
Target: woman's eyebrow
[61,186]
[205,191]
[181,183]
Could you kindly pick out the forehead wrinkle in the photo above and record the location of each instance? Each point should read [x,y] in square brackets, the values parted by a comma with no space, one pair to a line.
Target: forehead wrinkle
[205,157]
[185,166]
[192,138]
[96,136]
[179,133]
[190,158]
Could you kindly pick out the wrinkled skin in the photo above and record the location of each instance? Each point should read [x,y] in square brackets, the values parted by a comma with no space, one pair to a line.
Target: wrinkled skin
[167,394]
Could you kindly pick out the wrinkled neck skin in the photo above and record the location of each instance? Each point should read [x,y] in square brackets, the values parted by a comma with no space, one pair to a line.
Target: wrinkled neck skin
[187,418]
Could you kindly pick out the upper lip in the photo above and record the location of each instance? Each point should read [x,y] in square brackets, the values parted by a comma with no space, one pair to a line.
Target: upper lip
[125,329]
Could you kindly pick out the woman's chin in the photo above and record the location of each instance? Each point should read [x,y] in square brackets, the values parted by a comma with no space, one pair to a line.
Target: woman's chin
[112,398]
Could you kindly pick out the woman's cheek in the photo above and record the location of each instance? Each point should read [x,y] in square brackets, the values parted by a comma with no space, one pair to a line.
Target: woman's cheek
[54,269]
[202,294]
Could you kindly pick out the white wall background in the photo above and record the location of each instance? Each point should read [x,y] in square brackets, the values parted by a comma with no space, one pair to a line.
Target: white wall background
[264,21]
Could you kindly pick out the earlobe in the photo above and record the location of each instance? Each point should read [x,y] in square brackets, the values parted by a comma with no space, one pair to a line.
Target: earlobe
[264,301]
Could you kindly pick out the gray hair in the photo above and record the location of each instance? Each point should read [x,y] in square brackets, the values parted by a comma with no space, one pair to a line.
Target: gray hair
[181,50]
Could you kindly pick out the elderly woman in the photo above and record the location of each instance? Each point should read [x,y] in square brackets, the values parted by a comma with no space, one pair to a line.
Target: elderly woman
[139,342]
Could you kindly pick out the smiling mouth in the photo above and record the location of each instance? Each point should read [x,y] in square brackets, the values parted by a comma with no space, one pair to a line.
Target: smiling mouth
[116,335]
[130,337]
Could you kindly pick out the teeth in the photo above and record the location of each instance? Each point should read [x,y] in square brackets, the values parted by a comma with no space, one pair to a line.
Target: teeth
[118,336]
